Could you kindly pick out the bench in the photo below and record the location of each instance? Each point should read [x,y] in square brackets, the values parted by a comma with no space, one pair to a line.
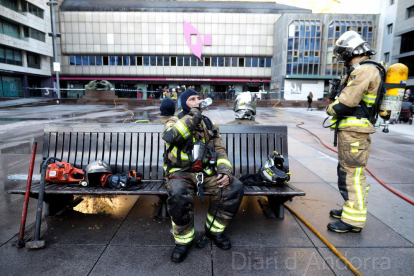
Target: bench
[140,147]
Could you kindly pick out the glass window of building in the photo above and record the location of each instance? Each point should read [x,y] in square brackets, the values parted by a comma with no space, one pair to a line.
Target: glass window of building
[194,61]
[79,60]
[227,62]
[248,62]
[166,61]
[160,61]
[234,62]
[99,60]
[153,61]
[180,61]
[268,62]
[173,61]
[207,61]
[409,62]
[92,60]
[410,12]
[35,10]
[364,28]
[133,60]
[392,2]
[139,61]
[10,56]
[255,62]
[146,61]
[186,61]
[126,60]
[35,34]
[389,28]
[200,62]
[303,41]
[407,42]
[71,60]
[119,61]
[33,60]
[112,60]
[85,60]
[241,62]
[261,62]
[387,57]
[9,29]
[105,60]
[220,61]
[10,4]
[214,62]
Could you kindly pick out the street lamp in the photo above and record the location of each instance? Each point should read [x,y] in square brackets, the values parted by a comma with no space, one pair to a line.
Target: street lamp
[54,35]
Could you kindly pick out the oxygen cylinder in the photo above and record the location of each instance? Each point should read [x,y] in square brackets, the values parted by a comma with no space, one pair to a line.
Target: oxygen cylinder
[390,109]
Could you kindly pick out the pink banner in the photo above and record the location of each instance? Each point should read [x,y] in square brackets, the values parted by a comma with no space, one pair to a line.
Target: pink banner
[165,79]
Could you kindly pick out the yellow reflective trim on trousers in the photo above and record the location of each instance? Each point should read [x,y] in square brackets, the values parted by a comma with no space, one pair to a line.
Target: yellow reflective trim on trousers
[354,211]
[216,223]
[224,161]
[213,229]
[182,129]
[208,171]
[358,190]
[355,144]
[354,150]
[185,236]
[353,218]
[172,169]
[184,156]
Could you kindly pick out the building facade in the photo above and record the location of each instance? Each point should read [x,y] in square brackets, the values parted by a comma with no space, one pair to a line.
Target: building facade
[25,48]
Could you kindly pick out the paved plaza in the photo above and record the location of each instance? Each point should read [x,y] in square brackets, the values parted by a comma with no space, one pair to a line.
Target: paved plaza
[125,239]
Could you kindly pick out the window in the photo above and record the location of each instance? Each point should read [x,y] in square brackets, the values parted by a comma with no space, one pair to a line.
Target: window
[160,61]
[92,60]
[35,34]
[146,61]
[255,62]
[166,61]
[173,61]
[33,60]
[126,60]
[227,62]
[392,2]
[220,61]
[85,60]
[214,62]
[139,61]
[99,60]
[186,61]
[194,61]
[407,42]
[133,60]
[78,60]
[9,29]
[10,56]
[113,60]
[180,61]
[234,62]
[35,10]
[207,61]
[248,62]
[410,12]
[71,60]
[105,61]
[389,29]
[200,62]
[409,62]
[241,62]
[268,62]
[11,4]
[387,57]
[261,62]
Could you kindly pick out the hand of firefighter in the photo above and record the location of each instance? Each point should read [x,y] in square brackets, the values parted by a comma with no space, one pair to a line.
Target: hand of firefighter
[223,180]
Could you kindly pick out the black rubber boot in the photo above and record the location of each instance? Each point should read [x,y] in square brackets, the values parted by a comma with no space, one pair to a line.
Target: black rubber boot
[342,227]
[180,252]
[220,240]
[336,213]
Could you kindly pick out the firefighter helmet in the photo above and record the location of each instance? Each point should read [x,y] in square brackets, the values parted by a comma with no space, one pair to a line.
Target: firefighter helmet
[273,171]
[351,44]
[95,170]
[245,106]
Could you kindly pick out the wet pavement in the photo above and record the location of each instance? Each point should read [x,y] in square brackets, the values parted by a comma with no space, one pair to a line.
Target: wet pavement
[118,236]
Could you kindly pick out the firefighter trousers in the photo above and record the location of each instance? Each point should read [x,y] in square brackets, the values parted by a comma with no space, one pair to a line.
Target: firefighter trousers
[353,153]
[180,204]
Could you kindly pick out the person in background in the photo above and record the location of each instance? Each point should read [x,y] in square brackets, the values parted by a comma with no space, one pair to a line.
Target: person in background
[167,109]
[179,92]
[310,97]
[174,95]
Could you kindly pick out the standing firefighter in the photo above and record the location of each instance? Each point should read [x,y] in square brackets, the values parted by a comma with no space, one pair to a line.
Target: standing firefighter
[196,160]
[352,115]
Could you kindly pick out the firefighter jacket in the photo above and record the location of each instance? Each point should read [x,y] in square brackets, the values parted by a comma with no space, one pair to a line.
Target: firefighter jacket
[362,86]
[174,96]
[183,129]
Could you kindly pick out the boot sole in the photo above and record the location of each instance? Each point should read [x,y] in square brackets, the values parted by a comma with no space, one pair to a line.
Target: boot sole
[345,231]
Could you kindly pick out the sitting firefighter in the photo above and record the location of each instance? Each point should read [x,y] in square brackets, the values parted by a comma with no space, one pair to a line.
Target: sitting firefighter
[196,161]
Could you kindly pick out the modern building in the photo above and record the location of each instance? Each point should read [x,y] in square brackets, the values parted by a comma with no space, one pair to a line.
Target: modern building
[25,48]
[403,37]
